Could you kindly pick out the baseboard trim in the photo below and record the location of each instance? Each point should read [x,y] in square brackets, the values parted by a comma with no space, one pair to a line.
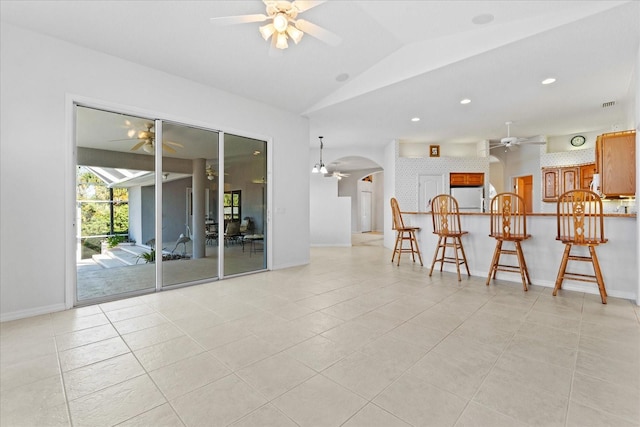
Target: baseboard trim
[30,312]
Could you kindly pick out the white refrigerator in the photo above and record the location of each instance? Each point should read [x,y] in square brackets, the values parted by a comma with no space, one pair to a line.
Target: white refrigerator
[470,199]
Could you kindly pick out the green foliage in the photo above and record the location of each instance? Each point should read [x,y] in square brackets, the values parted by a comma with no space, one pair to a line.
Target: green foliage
[93,197]
[115,240]
[148,256]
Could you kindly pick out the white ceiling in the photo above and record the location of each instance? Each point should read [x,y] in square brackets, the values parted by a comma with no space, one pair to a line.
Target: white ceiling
[404,59]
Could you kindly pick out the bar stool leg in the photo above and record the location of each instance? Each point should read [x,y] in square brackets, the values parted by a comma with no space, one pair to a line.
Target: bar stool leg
[455,249]
[412,239]
[417,249]
[596,267]
[523,266]
[395,248]
[563,268]
[464,257]
[444,252]
[494,261]
[435,255]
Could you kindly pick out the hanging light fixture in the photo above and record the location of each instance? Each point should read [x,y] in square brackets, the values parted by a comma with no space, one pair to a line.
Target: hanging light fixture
[320,167]
[283,23]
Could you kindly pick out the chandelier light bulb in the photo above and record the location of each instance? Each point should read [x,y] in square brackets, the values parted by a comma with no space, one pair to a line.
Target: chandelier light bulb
[280,22]
[281,41]
[267,31]
[323,169]
[315,169]
[295,34]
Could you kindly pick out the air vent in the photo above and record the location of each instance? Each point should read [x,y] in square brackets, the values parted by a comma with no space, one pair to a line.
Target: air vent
[608,104]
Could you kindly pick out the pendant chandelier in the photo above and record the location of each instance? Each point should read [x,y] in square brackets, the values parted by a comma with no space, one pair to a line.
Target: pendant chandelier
[319,167]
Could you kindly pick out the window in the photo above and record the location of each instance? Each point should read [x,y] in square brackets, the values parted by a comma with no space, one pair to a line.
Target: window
[232,206]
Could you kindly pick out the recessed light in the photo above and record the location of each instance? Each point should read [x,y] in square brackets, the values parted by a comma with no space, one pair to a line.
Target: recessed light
[342,77]
[485,18]
[465,101]
[548,81]
[415,119]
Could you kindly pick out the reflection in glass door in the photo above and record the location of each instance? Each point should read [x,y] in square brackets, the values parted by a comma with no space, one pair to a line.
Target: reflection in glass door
[189,204]
[114,205]
[201,210]
[244,205]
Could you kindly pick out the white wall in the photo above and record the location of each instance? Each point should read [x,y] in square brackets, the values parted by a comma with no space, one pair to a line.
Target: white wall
[329,214]
[40,76]
[320,190]
[391,152]
[636,87]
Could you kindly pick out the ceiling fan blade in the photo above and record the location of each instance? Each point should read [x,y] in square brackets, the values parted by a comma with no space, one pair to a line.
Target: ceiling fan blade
[538,139]
[175,144]
[168,148]
[318,32]
[303,5]
[138,145]
[240,19]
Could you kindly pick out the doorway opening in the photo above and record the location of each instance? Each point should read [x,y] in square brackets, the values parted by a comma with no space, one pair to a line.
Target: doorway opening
[523,186]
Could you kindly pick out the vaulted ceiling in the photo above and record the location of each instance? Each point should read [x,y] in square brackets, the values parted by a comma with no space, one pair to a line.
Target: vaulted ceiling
[397,60]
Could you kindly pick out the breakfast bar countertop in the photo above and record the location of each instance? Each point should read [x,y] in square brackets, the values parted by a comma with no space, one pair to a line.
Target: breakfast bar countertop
[618,257]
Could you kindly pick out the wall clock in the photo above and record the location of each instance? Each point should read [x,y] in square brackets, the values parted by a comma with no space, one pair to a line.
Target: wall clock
[578,140]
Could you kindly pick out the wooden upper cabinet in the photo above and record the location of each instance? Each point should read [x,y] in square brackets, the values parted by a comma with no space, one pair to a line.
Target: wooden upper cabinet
[557,180]
[466,179]
[616,163]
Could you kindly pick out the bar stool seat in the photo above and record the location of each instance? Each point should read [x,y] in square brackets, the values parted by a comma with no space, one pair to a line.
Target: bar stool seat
[580,223]
[446,224]
[404,233]
[508,219]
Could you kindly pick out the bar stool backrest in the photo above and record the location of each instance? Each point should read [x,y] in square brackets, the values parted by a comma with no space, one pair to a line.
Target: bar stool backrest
[580,218]
[508,217]
[398,223]
[445,214]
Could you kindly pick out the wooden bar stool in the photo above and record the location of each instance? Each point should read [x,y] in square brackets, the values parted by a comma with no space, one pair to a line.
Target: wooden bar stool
[404,233]
[508,219]
[581,223]
[446,224]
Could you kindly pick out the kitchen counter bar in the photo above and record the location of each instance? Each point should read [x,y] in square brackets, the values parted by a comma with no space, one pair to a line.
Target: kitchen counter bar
[618,258]
[615,215]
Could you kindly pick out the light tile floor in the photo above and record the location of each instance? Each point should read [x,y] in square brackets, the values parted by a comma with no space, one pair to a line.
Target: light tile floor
[348,340]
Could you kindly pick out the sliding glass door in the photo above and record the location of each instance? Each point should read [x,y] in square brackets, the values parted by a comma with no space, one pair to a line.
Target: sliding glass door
[115,219]
[244,204]
[189,204]
[210,214]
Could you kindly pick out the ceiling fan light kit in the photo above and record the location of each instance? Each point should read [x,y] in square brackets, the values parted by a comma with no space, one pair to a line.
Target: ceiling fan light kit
[284,23]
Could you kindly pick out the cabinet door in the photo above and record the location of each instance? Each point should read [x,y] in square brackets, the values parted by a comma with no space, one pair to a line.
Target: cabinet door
[550,184]
[586,175]
[458,179]
[617,164]
[476,179]
[569,179]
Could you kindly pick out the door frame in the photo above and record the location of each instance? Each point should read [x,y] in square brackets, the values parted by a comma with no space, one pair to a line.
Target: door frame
[71,159]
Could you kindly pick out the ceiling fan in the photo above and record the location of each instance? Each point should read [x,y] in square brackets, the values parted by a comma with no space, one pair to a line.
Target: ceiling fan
[284,23]
[338,175]
[146,140]
[512,141]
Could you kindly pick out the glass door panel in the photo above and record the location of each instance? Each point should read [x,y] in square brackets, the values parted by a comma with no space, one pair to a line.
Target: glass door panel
[189,204]
[244,205]
[115,219]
